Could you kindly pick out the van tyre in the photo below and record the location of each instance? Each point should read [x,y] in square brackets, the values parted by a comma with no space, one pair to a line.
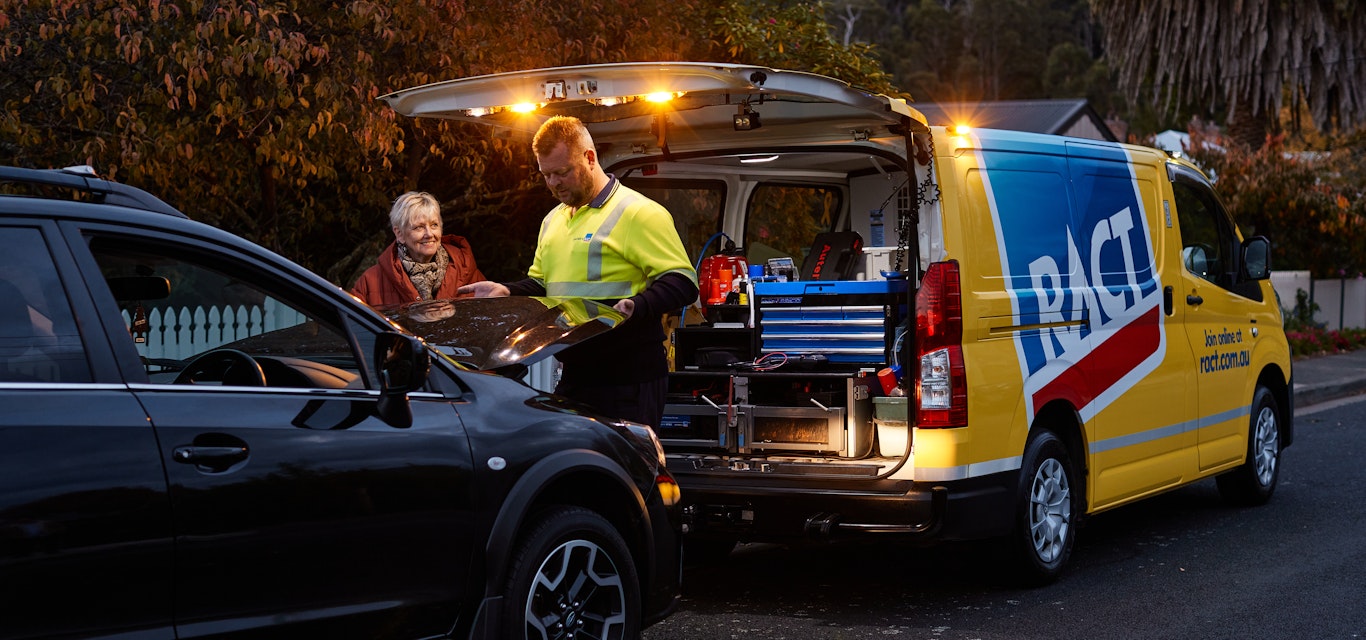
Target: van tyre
[572,576]
[1253,483]
[1047,504]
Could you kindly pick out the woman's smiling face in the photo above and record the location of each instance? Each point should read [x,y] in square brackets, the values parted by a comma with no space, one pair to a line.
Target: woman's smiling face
[422,236]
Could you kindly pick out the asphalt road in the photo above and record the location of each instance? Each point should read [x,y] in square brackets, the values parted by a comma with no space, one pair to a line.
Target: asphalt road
[1181,565]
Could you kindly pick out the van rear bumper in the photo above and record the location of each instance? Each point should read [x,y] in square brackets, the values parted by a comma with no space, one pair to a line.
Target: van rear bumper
[774,512]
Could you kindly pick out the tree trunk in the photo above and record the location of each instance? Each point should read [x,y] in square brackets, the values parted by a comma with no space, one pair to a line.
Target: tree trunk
[1247,128]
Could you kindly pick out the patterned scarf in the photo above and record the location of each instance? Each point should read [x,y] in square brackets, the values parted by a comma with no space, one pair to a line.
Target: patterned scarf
[426,276]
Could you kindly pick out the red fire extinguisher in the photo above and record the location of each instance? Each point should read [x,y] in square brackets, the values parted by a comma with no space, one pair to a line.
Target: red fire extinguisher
[718,271]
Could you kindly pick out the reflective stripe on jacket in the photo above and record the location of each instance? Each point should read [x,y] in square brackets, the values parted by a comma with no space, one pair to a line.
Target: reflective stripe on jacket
[610,249]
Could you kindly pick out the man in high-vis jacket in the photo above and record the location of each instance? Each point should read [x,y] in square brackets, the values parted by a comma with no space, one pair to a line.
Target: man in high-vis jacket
[605,242]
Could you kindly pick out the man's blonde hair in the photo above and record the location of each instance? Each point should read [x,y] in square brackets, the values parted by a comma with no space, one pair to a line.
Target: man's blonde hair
[561,129]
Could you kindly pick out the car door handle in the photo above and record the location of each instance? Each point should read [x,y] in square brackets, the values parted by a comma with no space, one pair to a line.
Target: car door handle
[1194,300]
[210,456]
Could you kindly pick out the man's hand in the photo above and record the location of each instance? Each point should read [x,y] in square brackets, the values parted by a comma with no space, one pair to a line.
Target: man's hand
[626,306]
[484,289]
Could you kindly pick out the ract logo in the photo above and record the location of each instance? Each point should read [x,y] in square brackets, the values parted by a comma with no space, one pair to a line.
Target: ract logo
[1076,253]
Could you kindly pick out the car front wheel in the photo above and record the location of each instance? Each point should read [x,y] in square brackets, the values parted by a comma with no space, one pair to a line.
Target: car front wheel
[572,577]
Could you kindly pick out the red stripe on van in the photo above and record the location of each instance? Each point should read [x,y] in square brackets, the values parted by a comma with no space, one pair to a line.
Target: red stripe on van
[1106,364]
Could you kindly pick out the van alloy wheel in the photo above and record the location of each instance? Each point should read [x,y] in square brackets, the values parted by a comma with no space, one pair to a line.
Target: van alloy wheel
[1266,445]
[1254,481]
[1050,510]
[1046,505]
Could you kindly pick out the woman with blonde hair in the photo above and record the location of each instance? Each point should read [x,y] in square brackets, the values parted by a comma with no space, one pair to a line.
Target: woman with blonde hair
[421,263]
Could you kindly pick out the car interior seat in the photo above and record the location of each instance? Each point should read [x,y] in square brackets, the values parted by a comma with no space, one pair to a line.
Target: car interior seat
[834,256]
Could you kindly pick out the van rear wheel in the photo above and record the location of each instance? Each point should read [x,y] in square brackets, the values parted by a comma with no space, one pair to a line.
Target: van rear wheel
[1046,507]
[1253,483]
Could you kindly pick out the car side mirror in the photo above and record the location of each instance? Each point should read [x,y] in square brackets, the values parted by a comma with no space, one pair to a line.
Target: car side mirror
[402,363]
[1257,258]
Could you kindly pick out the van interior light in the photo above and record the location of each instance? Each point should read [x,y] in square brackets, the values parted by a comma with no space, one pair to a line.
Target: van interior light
[660,96]
[758,159]
[962,129]
[478,112]
[524,107]
[612,101]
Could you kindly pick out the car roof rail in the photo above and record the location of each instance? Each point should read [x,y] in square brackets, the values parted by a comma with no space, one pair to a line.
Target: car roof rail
[83,179]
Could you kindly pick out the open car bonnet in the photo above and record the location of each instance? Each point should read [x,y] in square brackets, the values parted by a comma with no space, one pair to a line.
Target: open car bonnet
[640,110]
[491,333]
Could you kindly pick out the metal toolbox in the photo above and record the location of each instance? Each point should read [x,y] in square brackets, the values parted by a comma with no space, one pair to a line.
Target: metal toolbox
[850,322]
[773,429]
[697,427]
[827,414]
[809,421]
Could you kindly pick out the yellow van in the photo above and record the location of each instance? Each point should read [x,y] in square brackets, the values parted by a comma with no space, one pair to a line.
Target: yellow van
[947,333]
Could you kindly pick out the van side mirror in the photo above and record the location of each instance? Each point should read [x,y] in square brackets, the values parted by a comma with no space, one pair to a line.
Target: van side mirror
[1257,258]
[402,363]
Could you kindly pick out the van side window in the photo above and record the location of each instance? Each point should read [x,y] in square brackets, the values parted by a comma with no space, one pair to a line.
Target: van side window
[1209,246]
[783,220]
[39,341]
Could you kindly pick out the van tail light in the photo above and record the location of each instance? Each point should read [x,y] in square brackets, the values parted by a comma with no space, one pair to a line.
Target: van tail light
[941,391]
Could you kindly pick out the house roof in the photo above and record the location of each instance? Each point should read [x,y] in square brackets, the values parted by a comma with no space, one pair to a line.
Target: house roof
[1073,117]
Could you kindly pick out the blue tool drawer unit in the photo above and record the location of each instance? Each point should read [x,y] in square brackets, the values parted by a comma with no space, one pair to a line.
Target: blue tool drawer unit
[851,322]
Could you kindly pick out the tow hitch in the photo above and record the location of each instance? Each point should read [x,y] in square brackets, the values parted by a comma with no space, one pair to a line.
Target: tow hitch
[718,515]
[824,526]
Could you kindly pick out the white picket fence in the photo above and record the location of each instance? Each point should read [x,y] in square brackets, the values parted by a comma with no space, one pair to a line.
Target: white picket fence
[178,333]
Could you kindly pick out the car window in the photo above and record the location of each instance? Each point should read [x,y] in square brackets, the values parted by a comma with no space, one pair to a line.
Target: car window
[696,206]
[784,220]
[39,341]
[1208,243]
[183,310]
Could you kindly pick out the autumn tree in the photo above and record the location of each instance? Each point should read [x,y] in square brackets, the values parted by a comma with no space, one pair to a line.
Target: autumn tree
[791,36]
[1309,204]
[262,117]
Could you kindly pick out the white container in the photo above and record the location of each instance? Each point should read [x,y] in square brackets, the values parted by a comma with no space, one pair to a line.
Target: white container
[893,431]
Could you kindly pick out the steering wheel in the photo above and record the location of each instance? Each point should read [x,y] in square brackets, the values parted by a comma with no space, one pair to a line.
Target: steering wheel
[228,367]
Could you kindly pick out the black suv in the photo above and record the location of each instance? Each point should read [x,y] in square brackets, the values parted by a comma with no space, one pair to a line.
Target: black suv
[201,438]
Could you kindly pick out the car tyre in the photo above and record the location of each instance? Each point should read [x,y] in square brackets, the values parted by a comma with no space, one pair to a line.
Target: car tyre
[1254,481]
[1047,505]
[572,576]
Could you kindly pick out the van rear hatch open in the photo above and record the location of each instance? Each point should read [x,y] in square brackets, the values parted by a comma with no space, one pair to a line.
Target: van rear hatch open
[670,108]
